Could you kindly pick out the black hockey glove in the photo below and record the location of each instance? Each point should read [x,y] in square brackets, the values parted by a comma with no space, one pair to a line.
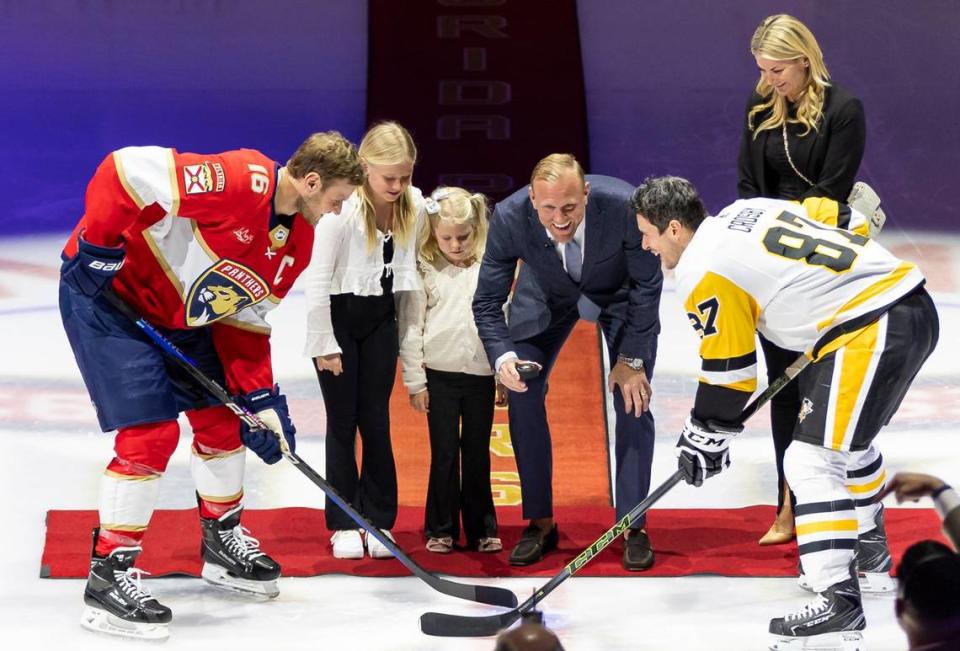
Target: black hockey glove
[702,450]
[90,271]
[271,407]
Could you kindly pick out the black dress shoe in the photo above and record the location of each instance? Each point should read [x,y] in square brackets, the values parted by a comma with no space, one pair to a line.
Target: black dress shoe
[637,552]
[533,545]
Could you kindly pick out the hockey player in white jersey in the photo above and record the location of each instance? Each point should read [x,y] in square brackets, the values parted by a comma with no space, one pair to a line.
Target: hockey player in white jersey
[867,324]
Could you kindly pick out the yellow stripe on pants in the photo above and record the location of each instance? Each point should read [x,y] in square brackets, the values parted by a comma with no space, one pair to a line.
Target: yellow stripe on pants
[855,361]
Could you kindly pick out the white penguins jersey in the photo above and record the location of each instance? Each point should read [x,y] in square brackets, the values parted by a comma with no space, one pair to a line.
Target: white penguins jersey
[781,268]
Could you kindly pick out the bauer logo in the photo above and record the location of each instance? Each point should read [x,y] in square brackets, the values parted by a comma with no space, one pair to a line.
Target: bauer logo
[221,291]
[107,267]
[197,179]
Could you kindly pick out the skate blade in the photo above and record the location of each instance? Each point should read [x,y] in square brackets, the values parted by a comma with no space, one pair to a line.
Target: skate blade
[102,622]
[221,578]
[877,583]
[839,641]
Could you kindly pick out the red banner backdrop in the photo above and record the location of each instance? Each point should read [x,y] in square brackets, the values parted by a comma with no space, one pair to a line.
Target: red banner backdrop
[487,87]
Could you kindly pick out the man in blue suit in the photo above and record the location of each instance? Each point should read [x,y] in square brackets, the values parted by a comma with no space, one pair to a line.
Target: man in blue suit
[583,258]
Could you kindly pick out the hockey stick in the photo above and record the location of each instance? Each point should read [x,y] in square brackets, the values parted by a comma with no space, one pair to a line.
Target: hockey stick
[480,593]
[445,625]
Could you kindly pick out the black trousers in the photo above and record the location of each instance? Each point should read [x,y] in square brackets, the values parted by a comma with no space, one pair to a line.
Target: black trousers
[460,420]
[784,407]
[359,400]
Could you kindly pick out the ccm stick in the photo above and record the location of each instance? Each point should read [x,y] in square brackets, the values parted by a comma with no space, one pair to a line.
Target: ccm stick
[445,625]
[479,593]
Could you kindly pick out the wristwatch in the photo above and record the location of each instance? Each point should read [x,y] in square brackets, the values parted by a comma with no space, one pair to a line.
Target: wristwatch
[633,363]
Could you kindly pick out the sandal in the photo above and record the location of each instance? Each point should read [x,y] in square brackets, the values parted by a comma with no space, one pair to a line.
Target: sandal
[489,545]
[440,545]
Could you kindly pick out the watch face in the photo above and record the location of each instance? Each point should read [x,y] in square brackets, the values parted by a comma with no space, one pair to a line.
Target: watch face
[633,364]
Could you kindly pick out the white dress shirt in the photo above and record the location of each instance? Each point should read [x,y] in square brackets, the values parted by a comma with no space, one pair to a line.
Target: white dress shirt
[561,249]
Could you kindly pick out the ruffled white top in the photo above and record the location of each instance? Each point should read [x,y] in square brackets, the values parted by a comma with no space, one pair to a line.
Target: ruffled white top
[342,264]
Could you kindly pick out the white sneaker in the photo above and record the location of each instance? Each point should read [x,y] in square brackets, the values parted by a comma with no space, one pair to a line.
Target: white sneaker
[347,543]
[375,548]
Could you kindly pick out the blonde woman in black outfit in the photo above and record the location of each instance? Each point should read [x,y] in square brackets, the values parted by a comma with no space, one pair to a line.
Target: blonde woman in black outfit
[803,137]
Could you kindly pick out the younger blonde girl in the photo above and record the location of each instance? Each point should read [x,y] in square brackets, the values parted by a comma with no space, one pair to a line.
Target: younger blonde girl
[447,373]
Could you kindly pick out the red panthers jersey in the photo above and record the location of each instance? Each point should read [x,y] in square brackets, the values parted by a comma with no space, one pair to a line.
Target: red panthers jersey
[204,246]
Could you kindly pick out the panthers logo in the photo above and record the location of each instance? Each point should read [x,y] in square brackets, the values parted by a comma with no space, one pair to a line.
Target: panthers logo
[221,291]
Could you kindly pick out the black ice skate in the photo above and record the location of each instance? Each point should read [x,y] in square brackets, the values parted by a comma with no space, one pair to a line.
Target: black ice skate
[233,560]
[873,559]
[117,603]
[831,621]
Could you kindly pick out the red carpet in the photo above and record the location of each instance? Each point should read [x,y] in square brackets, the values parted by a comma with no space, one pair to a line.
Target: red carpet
[687,541]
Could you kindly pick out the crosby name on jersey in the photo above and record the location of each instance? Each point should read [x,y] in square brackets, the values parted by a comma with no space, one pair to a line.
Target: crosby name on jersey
[781,268]
[204,246]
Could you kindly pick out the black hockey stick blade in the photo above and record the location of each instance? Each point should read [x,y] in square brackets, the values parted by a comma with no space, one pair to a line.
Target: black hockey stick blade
[444,625]
[480,593]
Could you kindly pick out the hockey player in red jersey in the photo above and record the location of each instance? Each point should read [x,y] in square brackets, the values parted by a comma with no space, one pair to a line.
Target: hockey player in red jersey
[862,318]
[202,246]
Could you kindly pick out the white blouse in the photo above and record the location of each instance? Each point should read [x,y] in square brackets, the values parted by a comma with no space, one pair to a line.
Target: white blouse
[437,330]
[342,264]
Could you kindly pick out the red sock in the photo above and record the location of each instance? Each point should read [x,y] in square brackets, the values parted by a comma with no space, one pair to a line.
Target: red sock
[110,539]
[215,510]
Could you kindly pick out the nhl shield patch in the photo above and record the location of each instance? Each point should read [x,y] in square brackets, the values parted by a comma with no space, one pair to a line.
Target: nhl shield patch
[221,291]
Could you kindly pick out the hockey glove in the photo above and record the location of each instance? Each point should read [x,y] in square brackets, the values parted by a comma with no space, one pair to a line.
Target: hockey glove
[90,271]
[863,199]
[270,406]
[702,450]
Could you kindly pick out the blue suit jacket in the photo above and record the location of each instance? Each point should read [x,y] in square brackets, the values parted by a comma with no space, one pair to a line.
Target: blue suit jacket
[618,275]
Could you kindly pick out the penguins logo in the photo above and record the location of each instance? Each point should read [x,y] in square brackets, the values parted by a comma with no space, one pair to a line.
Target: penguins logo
[224,289]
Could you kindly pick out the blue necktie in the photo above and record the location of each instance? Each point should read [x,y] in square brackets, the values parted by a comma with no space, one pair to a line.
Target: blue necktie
[574,259]
[588,309]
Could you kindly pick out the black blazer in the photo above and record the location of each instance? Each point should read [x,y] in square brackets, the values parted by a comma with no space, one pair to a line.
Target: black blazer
[618,275]
[829,156]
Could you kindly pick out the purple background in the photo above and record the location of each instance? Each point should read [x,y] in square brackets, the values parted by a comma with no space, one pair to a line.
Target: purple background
[80,78]
[666,86]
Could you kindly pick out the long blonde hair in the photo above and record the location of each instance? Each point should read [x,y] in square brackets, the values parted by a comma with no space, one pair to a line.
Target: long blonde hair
[784,38]
[454,206]
[388,143]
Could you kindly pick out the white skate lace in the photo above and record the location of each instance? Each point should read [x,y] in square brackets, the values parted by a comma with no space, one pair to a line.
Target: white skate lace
[239,543]
[814,607]
[130,583]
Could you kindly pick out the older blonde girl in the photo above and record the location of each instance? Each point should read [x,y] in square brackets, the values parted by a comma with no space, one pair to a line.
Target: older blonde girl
[362,258]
